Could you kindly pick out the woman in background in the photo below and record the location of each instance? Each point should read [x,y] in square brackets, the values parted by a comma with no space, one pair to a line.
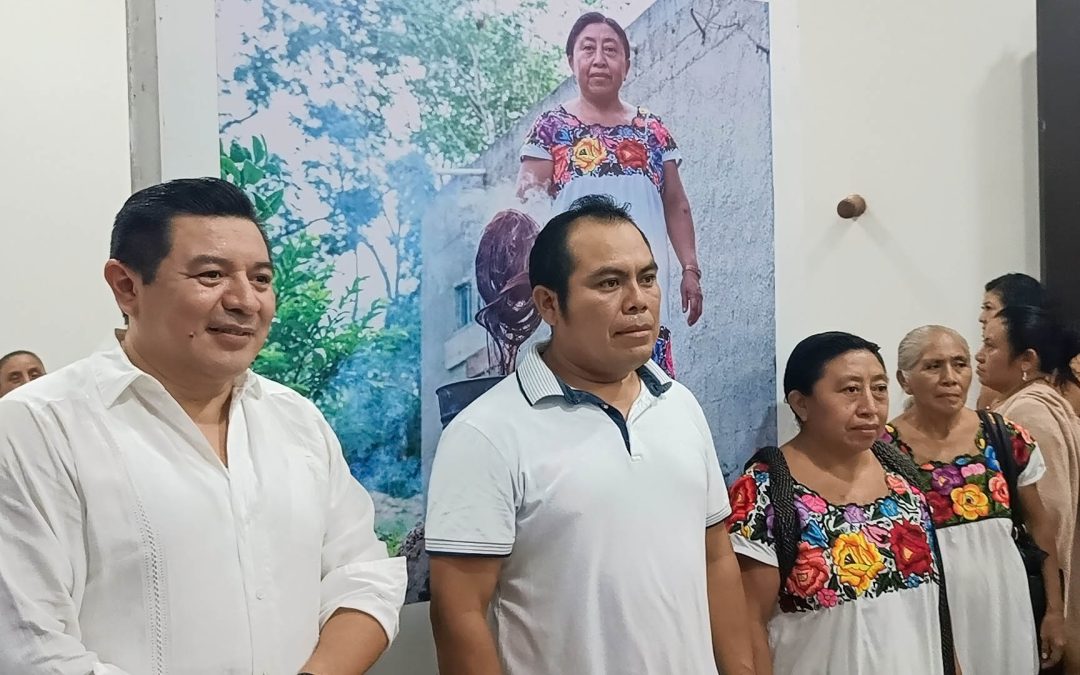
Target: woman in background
[597,143]
[1016,288]
[970,501]
[1025,355]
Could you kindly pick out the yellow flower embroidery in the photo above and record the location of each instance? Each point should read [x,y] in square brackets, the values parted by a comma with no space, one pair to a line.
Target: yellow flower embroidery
[858,560]
[970,502]
[588,154]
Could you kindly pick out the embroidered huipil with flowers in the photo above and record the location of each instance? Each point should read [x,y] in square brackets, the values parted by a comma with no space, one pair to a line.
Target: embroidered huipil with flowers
[867,568]
[971,487]
[625,161]
[993,628]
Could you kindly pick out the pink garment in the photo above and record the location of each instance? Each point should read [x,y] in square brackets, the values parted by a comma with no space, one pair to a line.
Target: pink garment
[1045,413]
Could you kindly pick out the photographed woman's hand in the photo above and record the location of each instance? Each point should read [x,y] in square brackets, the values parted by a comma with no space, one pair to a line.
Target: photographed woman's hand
[692,299]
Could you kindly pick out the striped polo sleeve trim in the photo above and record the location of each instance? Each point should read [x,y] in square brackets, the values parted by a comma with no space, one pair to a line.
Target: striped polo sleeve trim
[718,517]
[449,546]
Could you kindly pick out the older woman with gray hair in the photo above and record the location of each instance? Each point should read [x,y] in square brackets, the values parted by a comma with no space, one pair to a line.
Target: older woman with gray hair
[966,481]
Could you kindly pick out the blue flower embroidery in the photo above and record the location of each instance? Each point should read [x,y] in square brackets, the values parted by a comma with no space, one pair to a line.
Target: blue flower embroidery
[889,508]
[814,535]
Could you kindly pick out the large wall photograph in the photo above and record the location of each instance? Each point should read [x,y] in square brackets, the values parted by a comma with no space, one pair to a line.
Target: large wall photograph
[383,142]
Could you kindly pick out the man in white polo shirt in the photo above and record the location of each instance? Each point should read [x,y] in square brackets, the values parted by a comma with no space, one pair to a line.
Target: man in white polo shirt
[576,503]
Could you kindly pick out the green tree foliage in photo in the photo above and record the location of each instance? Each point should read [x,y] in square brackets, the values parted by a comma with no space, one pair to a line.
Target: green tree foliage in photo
[348,69]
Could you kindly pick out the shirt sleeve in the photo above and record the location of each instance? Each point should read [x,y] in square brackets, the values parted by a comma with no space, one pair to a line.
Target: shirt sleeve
[751,521]
[717,506]
[666,142]
[356,571]
[1029,461]
[43,559]
[472,500]
[538,142]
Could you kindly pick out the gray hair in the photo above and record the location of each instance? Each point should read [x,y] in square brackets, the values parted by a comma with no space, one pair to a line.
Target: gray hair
[914,344]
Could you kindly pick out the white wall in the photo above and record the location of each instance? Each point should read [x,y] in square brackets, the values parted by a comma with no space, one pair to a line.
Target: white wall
[64,172]
[928,110]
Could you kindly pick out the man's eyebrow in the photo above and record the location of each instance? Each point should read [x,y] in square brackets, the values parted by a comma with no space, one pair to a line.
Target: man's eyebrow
[608,270]
[223,262]
[209,260]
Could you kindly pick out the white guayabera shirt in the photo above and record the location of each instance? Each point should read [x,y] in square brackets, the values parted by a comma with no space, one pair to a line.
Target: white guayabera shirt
[127,547]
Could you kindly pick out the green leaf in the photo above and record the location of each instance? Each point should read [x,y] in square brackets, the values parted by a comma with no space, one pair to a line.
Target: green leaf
[229,169]
[252,174]
[260,204]
[237,152]
[274,201]
[260,149]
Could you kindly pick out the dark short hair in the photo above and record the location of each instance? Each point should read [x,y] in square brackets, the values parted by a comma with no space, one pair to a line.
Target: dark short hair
[1039,329]
[588,19]
[808,360]
[1016,288]
[550,261]
[142,230]
[19,352]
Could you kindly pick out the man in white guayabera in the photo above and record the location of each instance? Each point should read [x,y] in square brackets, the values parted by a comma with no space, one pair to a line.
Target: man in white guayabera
[165,510]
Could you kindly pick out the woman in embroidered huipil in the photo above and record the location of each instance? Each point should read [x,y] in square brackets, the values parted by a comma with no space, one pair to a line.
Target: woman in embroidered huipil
[970,502]
[862,598]
[598,144]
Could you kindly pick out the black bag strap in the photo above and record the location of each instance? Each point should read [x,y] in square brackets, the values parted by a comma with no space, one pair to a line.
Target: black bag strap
[892,459]
[787,533]
[786,530]
[997,435]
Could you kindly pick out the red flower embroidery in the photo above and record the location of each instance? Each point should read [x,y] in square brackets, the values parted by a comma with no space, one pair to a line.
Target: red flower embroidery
[743,497]
[940,507]
[999,490]
[631,154]
[663,138]
[912,549]
[810,572]
[560,156]
[1021,450]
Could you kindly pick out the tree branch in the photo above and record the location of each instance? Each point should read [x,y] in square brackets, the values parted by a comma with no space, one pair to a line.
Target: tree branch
[232,123]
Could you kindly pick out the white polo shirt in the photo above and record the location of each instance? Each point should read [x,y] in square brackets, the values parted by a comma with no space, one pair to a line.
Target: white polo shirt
[602,522]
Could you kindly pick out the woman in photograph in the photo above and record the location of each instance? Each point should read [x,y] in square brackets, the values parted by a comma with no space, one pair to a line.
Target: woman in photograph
[596,143]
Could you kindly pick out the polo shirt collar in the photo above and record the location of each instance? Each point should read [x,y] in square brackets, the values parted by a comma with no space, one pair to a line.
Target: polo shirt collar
[537,382]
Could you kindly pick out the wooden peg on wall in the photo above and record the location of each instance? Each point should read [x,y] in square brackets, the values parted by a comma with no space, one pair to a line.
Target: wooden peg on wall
[851,206]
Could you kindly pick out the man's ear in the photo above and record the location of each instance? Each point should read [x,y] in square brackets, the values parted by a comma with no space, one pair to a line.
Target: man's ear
[547,303]
[126,286]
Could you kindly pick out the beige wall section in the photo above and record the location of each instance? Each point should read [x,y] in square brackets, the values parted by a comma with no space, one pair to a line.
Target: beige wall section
[928,110]
[63,172]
